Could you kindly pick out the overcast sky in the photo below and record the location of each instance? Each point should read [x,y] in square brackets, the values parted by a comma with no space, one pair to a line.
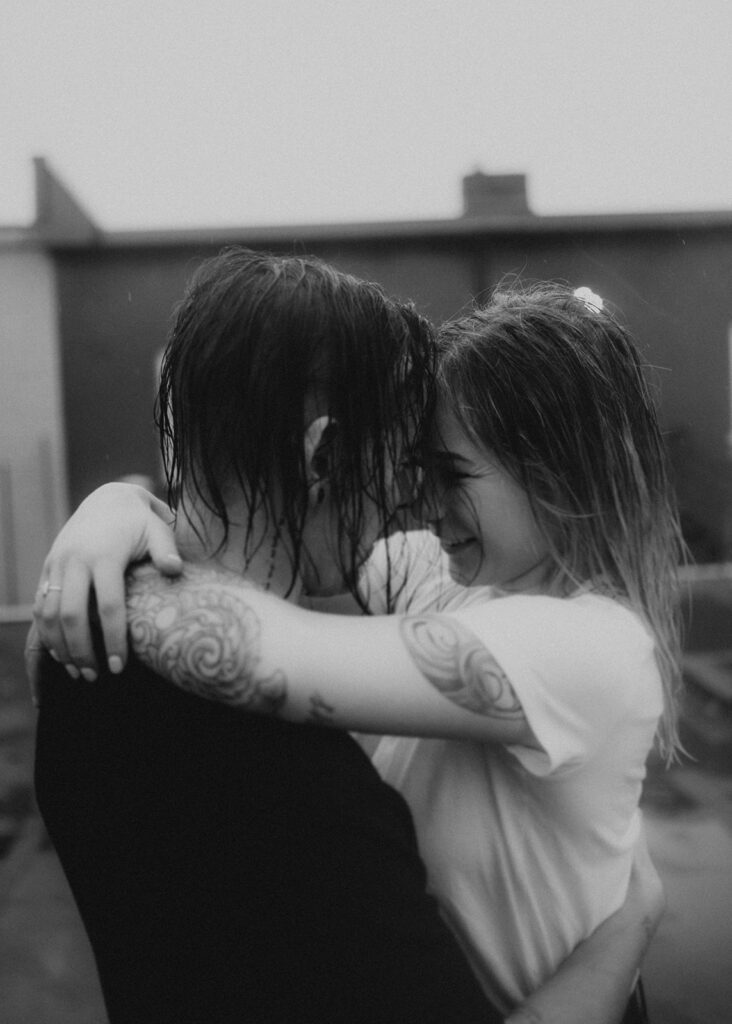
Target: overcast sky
[174,113]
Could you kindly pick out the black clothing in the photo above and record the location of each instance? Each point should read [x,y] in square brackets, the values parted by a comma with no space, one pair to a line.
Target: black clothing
[637,1011]
[236,869]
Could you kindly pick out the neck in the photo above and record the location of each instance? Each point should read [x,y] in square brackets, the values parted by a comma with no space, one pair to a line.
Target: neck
[265,561]
[535,580]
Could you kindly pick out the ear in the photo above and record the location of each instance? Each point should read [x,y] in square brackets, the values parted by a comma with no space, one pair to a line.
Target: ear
[318,441]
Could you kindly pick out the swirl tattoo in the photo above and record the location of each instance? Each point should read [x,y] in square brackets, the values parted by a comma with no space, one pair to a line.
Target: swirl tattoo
[455,662]
[204,637]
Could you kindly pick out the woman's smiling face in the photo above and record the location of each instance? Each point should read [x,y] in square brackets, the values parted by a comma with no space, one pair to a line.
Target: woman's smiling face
[481,515]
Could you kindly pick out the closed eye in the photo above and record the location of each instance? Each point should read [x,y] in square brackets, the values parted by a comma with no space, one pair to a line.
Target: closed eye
[446,477]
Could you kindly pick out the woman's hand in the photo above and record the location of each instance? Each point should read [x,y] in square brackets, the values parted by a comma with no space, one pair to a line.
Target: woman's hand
[116,525]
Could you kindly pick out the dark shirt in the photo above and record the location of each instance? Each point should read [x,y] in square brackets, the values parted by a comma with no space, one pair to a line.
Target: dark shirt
[236,868]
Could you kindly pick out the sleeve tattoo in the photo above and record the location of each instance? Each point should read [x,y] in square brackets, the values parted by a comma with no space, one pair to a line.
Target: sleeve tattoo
[204,637]
[453,660]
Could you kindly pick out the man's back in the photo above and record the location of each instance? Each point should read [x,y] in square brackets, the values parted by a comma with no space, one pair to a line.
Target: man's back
[236,868]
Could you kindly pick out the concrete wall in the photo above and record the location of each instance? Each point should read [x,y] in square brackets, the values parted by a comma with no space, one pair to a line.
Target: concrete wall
[114,315]
[33,501]
[672,287]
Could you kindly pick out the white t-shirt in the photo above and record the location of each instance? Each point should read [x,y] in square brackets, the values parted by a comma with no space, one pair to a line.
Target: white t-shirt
[529,850]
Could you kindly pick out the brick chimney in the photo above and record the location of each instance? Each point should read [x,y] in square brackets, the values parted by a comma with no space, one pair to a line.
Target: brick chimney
[495,195]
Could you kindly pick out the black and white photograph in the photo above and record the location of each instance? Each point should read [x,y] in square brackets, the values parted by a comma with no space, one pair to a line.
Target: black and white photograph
[366,512]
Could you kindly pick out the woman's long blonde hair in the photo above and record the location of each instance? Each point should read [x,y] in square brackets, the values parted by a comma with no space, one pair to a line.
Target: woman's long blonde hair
[555,387]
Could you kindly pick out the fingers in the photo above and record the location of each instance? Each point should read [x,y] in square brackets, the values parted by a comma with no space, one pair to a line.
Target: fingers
[161,510]
[109,529]
[73,621]
[61,615]
[45,615]
[161,548]
[109,587]
[33,654]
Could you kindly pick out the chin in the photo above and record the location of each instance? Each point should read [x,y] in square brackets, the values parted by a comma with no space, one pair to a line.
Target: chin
[467,575]
[459,574]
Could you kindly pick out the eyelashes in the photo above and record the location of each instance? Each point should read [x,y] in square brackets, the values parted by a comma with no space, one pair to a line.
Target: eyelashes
[451,478]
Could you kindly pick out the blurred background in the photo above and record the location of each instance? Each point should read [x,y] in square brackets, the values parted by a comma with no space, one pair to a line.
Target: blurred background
[436,148]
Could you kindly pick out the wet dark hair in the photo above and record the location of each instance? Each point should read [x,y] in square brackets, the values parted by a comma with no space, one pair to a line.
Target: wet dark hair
[554,386]
[257,342]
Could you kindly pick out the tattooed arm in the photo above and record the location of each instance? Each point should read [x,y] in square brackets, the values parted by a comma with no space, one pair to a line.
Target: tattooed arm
[425,675]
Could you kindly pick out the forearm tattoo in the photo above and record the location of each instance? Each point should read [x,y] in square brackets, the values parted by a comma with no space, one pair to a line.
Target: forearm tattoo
[202,636]
[452,658]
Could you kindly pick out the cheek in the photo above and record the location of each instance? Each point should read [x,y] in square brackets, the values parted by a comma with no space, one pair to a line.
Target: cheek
[462,506]
[508,528]
[527,541]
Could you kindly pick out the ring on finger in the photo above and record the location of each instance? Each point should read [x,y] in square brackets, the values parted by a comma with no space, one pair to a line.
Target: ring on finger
[47,588]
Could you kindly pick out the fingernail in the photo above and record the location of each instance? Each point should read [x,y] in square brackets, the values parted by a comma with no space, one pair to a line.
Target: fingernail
[115,664]
[89,674]
[53,654]
[72,670]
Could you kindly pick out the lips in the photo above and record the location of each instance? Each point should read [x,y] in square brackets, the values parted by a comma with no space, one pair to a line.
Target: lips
[456,546]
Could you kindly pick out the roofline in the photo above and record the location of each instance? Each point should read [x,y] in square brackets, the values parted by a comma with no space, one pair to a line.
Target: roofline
[377,231]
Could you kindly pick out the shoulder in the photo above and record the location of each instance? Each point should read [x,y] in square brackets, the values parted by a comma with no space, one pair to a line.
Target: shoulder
[595,640]
[419,571]
[610,625]
[413,568]
[606,619]
[582,667]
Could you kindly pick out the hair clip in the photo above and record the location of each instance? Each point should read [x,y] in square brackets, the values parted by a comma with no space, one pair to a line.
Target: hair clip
[591,299]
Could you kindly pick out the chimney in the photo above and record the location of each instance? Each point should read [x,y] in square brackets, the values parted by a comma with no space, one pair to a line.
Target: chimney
[59,217]
[495,195]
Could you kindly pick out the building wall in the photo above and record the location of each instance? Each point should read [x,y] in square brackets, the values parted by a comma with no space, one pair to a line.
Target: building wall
[33,501]
[673,289]
[114,311]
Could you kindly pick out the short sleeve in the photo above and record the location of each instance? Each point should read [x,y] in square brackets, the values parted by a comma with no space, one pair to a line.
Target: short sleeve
[407,573]
[415,566]
[579,667]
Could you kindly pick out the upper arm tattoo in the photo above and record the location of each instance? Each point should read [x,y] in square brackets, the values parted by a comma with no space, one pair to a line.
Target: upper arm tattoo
[204,637]
[452,658]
